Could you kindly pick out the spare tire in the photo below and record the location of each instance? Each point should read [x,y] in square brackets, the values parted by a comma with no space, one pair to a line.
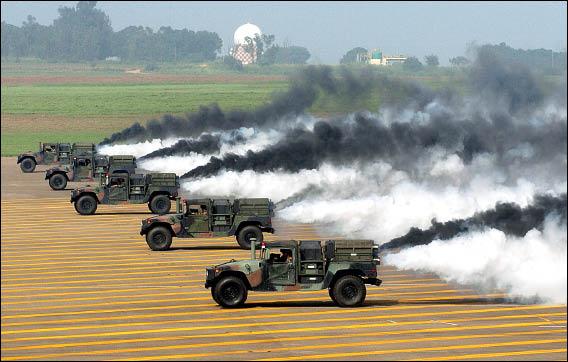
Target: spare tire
[246,234]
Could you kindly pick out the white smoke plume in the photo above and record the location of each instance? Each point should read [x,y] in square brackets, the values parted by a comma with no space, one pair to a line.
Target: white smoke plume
[530,268]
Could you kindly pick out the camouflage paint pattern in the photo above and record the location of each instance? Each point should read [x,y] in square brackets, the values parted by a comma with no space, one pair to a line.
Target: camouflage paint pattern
[257,274]
[183,225]
[44,157]
[101,192]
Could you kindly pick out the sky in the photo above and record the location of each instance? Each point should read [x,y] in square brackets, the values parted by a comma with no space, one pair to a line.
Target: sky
[330,29]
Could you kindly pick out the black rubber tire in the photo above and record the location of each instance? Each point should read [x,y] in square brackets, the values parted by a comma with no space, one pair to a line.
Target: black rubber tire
[58,182]
[159,238]
[330,291]
[230,292]
[214,296]
[349,291]
[86,205]
[28,165]
[246,233]
[160,204]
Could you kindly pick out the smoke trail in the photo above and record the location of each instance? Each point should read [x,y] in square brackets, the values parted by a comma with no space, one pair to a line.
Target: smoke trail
[530,269]
[367,138]
[205,144]
[302,93]
[509,218]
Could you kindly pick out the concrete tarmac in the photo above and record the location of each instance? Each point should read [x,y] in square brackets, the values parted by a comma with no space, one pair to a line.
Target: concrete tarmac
[88,288]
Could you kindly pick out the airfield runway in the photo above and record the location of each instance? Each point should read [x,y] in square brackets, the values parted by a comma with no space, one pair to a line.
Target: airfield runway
[88,288]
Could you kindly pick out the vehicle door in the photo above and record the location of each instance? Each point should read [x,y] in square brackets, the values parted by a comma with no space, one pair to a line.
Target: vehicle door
[198,218]
[281,266]
[64,152]
[83,168]
[50,151]
[118,188]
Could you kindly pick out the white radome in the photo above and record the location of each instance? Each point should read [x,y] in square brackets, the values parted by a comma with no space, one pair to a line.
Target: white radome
[245,30]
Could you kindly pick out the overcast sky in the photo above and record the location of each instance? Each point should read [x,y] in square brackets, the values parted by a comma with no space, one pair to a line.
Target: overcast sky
[329,29]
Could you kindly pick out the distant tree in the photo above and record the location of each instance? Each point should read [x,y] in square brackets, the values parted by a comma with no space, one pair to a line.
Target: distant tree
[258,45]
[459,61]
[412,64]
[82,32]
[286,55]
[432,60]
[231,63]
[352,55]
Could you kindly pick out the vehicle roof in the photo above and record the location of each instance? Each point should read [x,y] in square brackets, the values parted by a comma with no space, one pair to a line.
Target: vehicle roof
[282,243]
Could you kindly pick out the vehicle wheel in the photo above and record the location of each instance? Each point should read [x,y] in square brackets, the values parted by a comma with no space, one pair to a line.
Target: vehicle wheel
[349,291]
[214,295]
[58,182]
[230,292]
[86,205]
[331,295]
[160,204]
[28,165]
[246,234]
[159,238]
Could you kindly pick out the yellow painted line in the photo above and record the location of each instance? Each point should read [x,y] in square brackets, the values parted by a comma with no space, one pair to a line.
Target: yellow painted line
[272,349]
[156,295]
[259,332]
[153,315]
[280,300]
[129,290]
[492,355]
[234,325]
[409,350]
[249,341]
[330,346]
[164,307]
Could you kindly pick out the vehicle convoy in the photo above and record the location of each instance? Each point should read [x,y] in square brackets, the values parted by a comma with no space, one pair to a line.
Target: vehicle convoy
[88,168]
[341,266]
[203,218]
[53,153]
[123,187]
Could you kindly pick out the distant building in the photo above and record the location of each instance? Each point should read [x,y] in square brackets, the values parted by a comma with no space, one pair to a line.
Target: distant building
[239,50]
[376,57]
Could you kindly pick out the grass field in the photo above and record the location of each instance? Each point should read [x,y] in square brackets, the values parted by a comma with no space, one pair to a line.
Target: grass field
[85,103]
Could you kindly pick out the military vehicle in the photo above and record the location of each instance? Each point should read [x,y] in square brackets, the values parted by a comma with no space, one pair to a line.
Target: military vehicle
[123,187]
[52,153]
[341,266]
[205,218]
[88,168]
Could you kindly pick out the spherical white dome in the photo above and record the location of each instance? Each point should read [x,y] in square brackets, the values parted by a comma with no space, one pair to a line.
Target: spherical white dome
[245,30]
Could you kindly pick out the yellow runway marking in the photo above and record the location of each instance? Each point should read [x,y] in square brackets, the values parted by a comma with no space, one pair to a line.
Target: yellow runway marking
[235,325]
[256,340]
[276,299]
[202,292]
[492,355]
[154,315]
[283,349]
[408,350]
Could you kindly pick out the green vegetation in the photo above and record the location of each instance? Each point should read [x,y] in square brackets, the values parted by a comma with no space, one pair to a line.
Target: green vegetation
[44,101]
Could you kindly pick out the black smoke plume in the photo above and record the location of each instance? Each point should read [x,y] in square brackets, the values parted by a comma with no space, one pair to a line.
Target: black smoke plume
[366,138]
[302,93]
[507,217]
[206,144]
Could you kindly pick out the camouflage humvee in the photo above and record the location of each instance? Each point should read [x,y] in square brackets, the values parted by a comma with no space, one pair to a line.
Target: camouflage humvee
[122,187]
[51,153]
[341,266]
[87,168]
[206,218]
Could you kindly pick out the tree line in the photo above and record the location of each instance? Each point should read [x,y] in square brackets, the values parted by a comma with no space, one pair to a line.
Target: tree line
[84,33]
[546,61]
